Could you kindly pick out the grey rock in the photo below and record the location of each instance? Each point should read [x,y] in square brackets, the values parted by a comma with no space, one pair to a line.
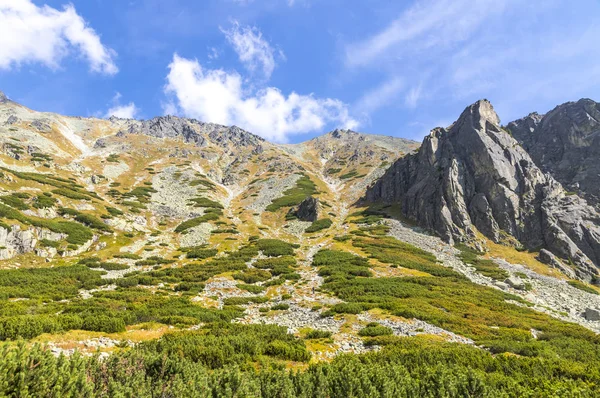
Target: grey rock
[42,125]
[592,314]
[474,176]
[566,143]
[307,210]
[3,98]
[515,283]
[546,257]
[12,119]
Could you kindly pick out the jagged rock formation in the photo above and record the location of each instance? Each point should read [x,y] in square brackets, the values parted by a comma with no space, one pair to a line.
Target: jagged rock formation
[190,130]
[473,176]
[307,210]
[566,143]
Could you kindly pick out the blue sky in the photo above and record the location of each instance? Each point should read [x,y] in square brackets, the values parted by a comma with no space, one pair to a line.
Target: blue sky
[292,69]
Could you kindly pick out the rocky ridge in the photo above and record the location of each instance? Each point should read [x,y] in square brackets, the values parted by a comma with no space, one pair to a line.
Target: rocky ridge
[565,142]
[475,177]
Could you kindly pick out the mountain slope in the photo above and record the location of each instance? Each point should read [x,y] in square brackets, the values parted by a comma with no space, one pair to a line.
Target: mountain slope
[474,177]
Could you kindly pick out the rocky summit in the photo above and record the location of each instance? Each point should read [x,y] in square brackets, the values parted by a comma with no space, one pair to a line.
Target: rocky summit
[176,241]
[473,178]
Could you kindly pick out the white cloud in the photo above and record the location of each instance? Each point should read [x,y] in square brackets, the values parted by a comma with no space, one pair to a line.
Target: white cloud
[458,51]
[413,96]
[29,33]
[128,111]
[213,95]
[426,24]
[380,96]
[253,51]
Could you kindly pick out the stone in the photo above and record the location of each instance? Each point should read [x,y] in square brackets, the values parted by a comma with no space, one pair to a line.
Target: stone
[592,314]
[515,283]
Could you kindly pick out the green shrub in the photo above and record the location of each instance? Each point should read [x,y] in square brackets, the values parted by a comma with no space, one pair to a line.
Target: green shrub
[293,196]
[319,225]
[373,330]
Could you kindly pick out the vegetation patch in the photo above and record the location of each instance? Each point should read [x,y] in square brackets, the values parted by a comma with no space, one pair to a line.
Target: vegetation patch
[293,196]
[319,225]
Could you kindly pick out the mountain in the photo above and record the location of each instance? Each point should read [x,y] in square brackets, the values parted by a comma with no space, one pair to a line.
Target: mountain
[565,142]
[474,177]
[185,258]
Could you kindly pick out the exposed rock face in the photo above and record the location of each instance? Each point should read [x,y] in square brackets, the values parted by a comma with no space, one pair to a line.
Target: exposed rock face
[191,131]
[168,127]
[566,143]
[473,176]
[307,210]
[3,98]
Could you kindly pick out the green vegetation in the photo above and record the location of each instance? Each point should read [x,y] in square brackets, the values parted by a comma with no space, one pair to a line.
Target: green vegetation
[319,225]
[318,334]
[448,300]
[275,247]
[348,175]
[226,360]
[77,234]
[44,201]
[194,222]
[200,253]
[113,158]
[205,202]
[374,329]
[484,267]
[293,196]
[86,219]
[582,286]
[15,200]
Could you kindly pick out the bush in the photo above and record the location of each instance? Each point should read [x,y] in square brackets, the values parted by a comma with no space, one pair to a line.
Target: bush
[319,225]
[375,330]
[275,247]
[318,334]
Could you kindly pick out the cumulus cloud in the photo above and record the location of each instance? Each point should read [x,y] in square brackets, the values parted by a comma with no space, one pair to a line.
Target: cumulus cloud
[213,95]
[29,34]
[127,111]
[253,50]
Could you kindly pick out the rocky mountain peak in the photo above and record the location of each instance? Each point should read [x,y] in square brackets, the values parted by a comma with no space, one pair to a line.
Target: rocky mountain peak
[3,97]
[481,111]
[474,177]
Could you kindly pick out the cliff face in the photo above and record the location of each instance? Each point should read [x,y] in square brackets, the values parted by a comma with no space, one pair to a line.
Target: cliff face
[474,176]
[565,143]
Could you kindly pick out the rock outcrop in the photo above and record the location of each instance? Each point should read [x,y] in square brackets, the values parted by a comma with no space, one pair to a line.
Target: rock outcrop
[565,143]
[475,177]
[307,210]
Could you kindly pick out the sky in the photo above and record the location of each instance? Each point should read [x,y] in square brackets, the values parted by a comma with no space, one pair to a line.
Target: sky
[289,70]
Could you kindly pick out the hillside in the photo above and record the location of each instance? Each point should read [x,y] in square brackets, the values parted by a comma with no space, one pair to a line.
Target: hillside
[189,252]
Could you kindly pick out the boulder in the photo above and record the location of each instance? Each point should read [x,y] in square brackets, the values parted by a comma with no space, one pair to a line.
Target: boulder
[515,283]
[546,257]
[307,210]
[592,314]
